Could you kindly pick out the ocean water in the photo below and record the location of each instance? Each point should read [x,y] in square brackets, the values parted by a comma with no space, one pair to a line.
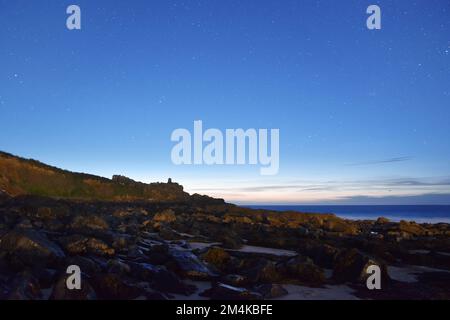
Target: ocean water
[417,213]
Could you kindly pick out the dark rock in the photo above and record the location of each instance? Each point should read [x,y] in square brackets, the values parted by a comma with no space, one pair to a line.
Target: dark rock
[24,287]
[236,280]
[271,291]
[60,291]
[29,247]
[160,278]
[158,254]
[351,266]
[304,270]
[188,265]
[262,271]
[117,266]
[114,287]
[87,265]
[217,257]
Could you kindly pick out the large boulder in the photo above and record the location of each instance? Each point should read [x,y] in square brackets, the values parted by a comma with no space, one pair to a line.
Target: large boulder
[188,265]
[351,266]
[321,253]
[31,248]
[304,270]
[217,257]
[160,278]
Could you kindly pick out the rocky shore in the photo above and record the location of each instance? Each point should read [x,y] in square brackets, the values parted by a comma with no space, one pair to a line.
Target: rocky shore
[203,248]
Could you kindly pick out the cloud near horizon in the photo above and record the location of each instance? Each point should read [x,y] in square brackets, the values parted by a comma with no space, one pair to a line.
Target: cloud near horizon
[377,191]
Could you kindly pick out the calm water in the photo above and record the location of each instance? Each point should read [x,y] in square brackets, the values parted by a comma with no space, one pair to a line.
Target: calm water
[432,214]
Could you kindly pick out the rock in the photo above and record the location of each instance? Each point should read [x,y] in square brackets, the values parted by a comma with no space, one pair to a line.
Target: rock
[229,239]
[45,277]
[118,267]
[24,287]
[188,265]
[4,196]
[60,291]
[236,280]
[412,228]
[304,270]
[160,278]
[165,216]
[111,286]
[351,266]
[322,254]
[222,291]
[89,223]
[78,244]
[271,291]
[382,220]
[262,271]
[29,247]
[158,254]
[340,225]
[217,257]
[87,265]
[24,224]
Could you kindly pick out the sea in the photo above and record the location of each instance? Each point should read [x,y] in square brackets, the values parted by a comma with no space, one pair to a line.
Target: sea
[417,213]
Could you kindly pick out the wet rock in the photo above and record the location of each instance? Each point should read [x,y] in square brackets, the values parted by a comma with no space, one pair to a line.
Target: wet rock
[188,265]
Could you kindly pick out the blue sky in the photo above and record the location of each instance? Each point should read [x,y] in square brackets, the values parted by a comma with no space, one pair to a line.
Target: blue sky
[362,114]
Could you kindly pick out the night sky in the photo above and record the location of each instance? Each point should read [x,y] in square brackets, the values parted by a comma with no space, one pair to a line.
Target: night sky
[363,114]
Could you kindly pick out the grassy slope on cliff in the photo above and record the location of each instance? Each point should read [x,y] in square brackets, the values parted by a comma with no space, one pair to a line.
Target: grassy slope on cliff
[20,176]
